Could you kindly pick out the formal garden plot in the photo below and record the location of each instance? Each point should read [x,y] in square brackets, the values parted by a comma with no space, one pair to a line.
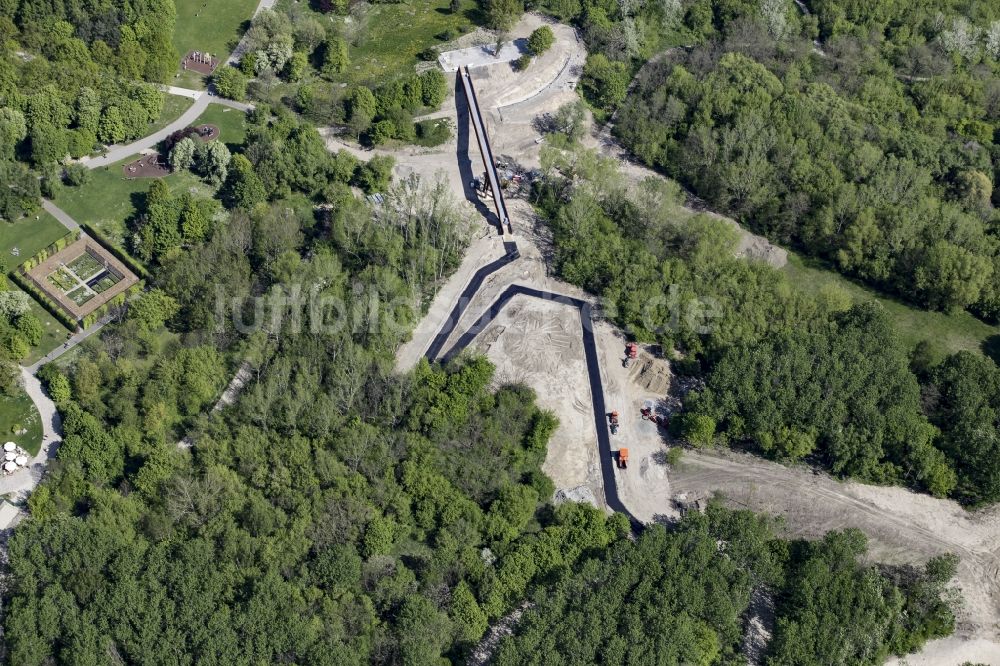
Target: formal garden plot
[82,277]
[80,295]
[86,266]
[101,283]
[63,279]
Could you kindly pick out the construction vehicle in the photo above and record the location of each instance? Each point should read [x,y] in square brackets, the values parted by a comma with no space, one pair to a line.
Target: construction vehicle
[631,353]
[649,415]
[613,421]
[686,503]
[622,458]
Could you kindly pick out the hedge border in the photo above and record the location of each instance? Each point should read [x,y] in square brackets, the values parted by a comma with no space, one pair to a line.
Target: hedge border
[123,256]
[50,249]
[42,299]
[115,302]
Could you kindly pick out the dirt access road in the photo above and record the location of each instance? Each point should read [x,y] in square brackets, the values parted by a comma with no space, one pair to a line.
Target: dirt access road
[537,342]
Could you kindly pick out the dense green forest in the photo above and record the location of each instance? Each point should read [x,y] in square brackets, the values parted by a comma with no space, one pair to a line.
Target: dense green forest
[863,133]
[74,76]
[642,602]
[343,513]
[789,374]
[340,512]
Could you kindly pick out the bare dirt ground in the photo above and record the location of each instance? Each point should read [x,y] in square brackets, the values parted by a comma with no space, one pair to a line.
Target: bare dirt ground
[902,526]
[538,343]
[531,341]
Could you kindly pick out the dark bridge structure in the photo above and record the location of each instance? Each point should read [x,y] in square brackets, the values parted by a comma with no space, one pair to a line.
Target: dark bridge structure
[436,351]
[486,151]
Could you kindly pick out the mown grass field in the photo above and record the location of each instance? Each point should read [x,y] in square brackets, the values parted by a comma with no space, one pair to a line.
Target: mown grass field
[384,39]
[210,25]
[946,333]
[174,107]
[31,235]
[231,123]
[109,199]
[53,334]
[19,413]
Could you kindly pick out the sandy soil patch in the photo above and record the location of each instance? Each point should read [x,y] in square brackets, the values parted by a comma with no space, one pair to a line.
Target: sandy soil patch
[530,342]
[538,343]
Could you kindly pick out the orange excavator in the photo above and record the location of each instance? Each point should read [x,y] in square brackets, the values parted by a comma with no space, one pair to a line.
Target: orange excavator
[649,415]
[613,422]
[631,353]
[622,458]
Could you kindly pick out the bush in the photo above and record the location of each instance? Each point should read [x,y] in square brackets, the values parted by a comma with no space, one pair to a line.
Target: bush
[433,88]
[541,40]
[76,175]
[230,82]
[522,63]
[432,132]
[604,81]
[381,132]
[374,175]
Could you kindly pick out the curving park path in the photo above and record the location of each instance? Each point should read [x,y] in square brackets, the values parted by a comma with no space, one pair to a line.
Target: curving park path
[118,153]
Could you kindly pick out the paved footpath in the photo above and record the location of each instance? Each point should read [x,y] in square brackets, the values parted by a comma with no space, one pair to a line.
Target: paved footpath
[234,57]
[60,215]
[77,338]
[24,481]
[118,153]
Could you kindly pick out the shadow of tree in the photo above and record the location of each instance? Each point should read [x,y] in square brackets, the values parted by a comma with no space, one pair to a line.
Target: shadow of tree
[991,347]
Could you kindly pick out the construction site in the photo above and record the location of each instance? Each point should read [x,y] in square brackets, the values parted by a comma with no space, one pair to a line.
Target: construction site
[615,398]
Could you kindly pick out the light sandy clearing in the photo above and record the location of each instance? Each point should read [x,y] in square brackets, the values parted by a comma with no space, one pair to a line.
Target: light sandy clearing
[533,347]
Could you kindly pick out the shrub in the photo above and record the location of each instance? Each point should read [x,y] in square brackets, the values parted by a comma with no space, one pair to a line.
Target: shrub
[433,88]
[432,132]
[231,82]
[522,63]
[76,175]
[541,40]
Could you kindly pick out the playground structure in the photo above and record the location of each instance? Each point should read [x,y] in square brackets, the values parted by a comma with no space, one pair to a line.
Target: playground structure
[200,61]
[153,165]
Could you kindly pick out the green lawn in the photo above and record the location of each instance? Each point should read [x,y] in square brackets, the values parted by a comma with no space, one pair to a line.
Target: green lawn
[946,333]
[231,123]
[18,413]
[28,235]
[53,333]
[174,107]
[109,199]
[31,235]
[386,40]
[210,25]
